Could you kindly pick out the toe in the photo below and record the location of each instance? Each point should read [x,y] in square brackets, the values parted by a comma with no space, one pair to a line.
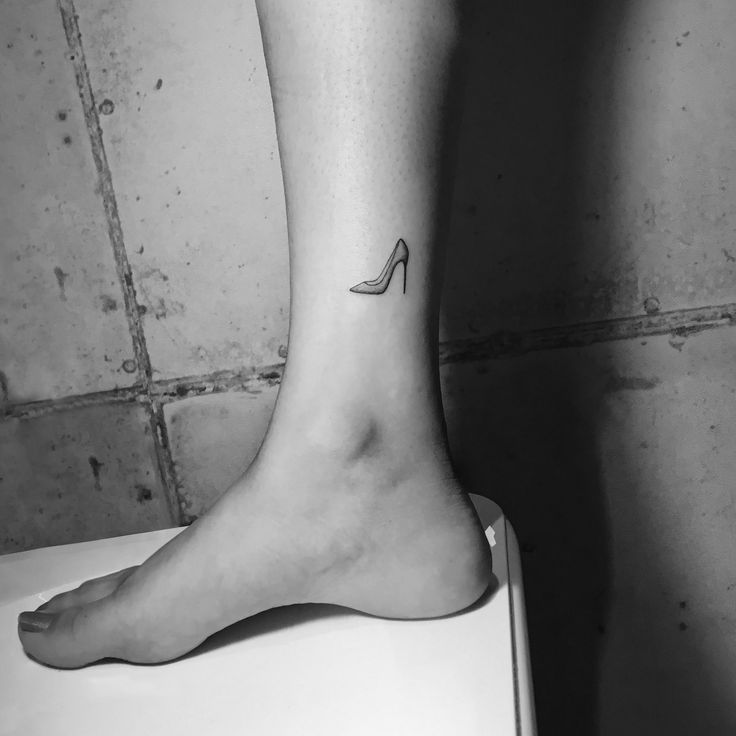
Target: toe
[88,592]
[72,637]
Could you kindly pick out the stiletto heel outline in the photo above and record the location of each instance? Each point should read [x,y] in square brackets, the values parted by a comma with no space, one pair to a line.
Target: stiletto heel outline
[400,254]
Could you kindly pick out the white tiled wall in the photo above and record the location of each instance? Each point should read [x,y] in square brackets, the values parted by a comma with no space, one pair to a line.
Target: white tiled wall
[595,181]
[62,328]
[192,148]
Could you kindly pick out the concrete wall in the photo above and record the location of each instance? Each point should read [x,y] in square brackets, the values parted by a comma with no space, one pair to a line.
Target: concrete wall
[588,337]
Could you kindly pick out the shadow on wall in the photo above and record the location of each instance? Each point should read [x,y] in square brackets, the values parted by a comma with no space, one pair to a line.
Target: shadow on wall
[529,248]
[516,219]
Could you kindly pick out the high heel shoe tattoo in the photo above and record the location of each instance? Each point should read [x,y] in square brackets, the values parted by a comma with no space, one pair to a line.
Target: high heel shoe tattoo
[380,284]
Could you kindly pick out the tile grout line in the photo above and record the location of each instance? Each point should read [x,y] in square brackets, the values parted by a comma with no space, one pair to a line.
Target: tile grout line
[508,344]
[496,346]
[142,392]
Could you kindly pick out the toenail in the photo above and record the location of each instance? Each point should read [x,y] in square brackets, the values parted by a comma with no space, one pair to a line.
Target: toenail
[34,621]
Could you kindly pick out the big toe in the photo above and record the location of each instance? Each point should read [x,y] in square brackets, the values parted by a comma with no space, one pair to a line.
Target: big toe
[88,592]
[72,637]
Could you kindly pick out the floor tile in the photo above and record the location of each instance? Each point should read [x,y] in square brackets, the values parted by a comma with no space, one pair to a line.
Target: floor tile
[63,328]
[78,475]
[190,136]
[213,439]
[594,168]
[615,463]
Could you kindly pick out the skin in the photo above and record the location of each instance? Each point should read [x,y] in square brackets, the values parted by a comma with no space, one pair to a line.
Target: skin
[352,498]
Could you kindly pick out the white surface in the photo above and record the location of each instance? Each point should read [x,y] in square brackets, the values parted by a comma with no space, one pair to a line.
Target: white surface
[299,670]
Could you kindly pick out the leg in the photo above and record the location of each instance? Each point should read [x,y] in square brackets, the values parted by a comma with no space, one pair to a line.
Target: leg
[352,498]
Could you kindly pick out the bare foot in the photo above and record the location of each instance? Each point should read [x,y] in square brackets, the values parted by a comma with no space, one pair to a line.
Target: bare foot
[376,524]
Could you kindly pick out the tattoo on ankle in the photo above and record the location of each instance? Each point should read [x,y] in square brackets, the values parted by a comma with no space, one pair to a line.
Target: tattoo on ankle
[380,283]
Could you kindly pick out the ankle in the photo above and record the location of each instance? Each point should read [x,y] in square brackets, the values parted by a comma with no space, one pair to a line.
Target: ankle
[397,437]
